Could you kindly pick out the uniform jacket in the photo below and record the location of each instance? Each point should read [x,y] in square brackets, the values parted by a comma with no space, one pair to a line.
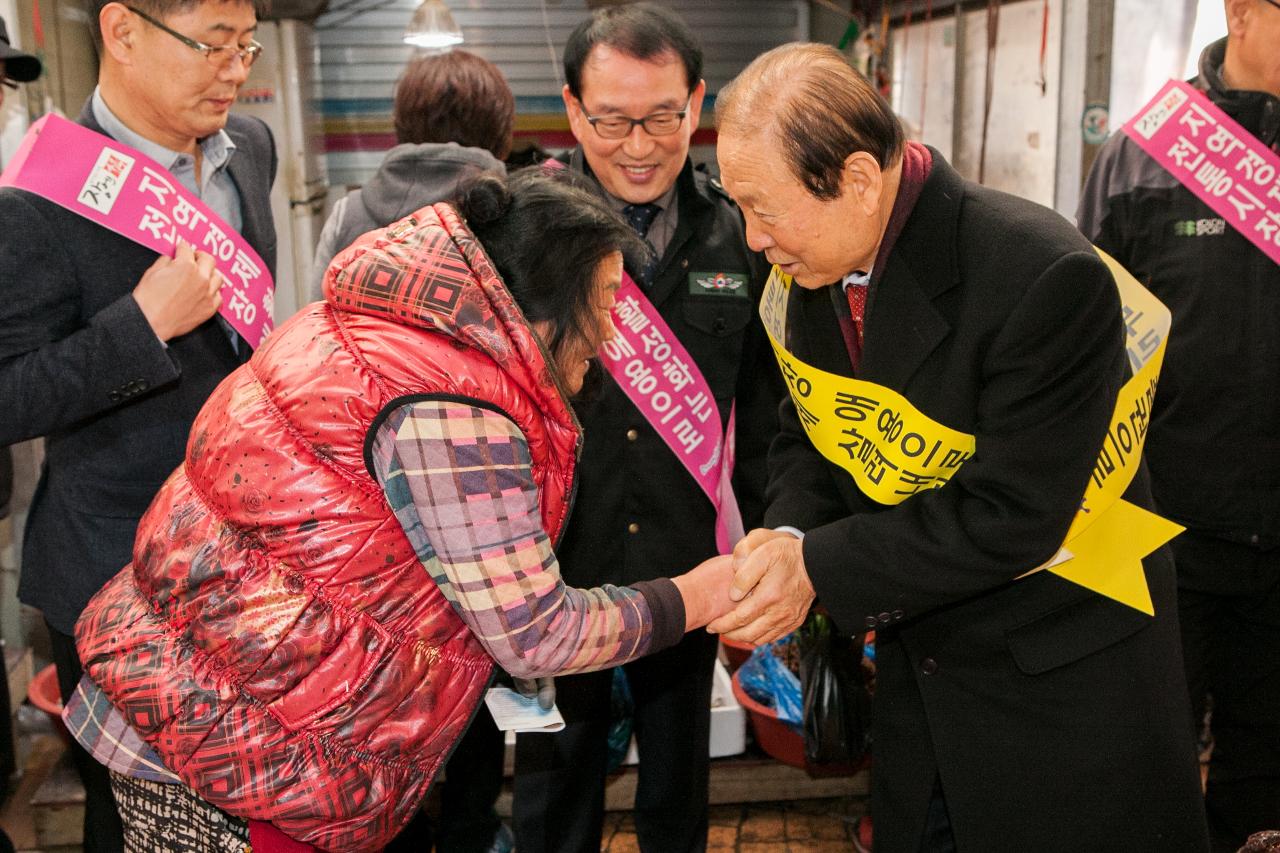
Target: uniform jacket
[276,638]
[80,365]
[628,475]
[1213,448]
[409,177]
[1055,718]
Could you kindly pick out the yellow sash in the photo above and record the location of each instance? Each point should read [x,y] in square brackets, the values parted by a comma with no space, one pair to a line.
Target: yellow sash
[893,450]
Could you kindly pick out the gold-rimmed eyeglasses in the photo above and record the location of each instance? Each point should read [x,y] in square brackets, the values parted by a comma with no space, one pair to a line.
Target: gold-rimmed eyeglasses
[663,123]
[218,54]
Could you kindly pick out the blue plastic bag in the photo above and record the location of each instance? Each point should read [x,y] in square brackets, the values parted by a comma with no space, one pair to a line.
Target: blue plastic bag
[766,679]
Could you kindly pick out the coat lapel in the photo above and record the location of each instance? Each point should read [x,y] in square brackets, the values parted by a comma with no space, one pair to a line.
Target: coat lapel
[903,325]
[243,172]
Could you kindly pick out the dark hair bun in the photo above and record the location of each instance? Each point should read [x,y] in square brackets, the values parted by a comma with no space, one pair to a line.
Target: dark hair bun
[483,200]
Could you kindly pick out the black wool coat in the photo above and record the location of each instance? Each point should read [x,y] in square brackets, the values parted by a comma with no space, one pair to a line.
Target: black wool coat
[1056,719]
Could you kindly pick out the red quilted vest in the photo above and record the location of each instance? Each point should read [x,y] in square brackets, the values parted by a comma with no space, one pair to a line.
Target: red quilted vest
[275,637]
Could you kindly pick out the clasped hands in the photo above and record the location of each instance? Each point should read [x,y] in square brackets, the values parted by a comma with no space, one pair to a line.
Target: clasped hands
[755,595]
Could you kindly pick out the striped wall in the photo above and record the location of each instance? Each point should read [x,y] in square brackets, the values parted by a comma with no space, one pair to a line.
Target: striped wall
[361,56]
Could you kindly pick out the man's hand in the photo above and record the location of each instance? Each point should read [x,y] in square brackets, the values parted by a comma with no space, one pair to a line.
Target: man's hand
[179,293]
[772,587]
[743,549]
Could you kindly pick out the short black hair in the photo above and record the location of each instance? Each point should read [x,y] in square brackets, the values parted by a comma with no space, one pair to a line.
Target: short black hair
[642,30]
[546,234]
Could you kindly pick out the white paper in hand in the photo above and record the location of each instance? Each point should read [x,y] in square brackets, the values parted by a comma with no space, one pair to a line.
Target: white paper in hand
[515,713]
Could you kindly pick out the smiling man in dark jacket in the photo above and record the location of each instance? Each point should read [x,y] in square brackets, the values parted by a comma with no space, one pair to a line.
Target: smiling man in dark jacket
[634,95]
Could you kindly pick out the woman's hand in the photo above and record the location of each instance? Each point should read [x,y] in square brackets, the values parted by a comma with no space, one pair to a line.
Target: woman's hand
[705,591]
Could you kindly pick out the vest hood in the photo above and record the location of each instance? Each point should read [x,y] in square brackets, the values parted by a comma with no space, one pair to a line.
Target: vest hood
[429,271]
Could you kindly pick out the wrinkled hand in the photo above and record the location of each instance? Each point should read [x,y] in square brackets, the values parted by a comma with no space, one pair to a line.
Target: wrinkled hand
[705,590]
[179,293]
[544,688]
[742,550]
[772,588]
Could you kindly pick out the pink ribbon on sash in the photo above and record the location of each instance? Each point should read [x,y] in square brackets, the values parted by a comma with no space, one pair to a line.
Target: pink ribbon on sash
[1210,154]
[655,371]
[129,193]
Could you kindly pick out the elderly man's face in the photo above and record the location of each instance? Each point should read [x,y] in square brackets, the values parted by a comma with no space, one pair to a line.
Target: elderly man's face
[180,94]
[816,242]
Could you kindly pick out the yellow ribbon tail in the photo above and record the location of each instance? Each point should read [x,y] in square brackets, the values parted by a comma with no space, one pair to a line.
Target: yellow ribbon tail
[1107,555]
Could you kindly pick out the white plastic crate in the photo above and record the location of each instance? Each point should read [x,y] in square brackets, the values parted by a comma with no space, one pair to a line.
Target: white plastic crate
[728,720]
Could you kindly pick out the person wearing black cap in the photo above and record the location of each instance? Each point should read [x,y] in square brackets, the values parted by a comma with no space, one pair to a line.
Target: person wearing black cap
[15,66]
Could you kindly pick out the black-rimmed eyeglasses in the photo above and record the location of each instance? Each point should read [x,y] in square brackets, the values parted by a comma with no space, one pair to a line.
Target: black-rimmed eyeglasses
[218,54]
[1273,3]
[662,123]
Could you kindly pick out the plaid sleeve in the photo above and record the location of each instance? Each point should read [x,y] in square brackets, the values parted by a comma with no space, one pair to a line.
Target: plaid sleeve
[460,480]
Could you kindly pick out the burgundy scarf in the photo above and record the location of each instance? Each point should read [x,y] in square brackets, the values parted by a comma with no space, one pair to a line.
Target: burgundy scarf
[917,161]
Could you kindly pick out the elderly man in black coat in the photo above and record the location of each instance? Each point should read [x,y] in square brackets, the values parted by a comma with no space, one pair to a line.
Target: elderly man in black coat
[1012,713]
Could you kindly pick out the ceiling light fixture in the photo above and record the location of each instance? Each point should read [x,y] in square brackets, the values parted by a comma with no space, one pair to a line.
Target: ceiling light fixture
[432,27]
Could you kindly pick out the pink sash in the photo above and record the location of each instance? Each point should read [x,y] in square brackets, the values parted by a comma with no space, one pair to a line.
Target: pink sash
[655,371]
[1210,154]
[129,193]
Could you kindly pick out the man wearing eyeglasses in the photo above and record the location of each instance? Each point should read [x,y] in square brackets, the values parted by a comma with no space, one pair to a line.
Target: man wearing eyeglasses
[634,96]
[108,350]
[1212,446]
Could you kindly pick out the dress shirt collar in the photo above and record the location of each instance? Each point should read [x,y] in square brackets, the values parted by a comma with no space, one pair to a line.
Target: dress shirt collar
[216,148]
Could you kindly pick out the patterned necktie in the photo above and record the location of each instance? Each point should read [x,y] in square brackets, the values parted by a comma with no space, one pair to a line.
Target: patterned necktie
[640,217]
[857,294]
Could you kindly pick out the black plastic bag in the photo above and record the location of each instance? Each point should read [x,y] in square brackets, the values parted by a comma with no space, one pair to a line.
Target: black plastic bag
[837,698]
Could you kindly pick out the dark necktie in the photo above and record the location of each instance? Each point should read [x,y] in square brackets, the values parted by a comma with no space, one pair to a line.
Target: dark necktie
[640,217]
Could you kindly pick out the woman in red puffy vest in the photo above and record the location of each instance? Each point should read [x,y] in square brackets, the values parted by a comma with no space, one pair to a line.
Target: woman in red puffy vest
[363,525]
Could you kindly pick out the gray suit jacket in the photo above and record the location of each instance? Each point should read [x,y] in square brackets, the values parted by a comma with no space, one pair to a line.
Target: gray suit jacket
[80,366]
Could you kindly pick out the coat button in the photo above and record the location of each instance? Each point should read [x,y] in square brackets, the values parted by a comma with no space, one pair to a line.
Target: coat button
[871,621]
[928,666]
[897,614]
[632,435]
[633,528]
[113,396]
[684,264]
[885,618]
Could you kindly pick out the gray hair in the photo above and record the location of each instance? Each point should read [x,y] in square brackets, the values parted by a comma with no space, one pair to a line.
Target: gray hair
[818,108]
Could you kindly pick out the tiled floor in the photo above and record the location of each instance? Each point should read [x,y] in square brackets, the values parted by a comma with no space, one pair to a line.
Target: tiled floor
[800,826]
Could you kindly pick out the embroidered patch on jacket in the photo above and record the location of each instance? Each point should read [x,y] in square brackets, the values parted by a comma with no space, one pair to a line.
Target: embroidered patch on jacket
[1200,228]
[719,284]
